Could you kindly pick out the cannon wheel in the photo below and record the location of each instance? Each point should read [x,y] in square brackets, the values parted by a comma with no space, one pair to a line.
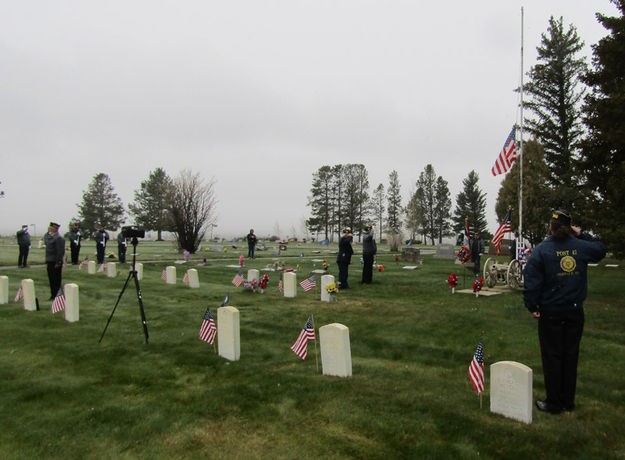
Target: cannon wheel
[515,275]
[490,272]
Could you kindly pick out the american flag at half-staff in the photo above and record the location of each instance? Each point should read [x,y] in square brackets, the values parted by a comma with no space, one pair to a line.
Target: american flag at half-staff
[238,279]
[308,283]
[185,278]
[476,369]
[300,347]
[507,156]
[19,295]
[58,303]
[208,331]
[164,274]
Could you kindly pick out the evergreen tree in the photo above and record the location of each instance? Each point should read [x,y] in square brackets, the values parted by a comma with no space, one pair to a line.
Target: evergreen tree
[151,201]
[338,211]
[394,209]
[555,99]
[426,185]
[536,194]
[414,214]
[321,201]
[603,151]
[356,195]
[442,208]
[471,204]
[100,206]
[377,207]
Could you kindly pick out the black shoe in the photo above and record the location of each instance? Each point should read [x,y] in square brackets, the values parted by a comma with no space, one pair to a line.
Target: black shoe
[546,407]
[570,408]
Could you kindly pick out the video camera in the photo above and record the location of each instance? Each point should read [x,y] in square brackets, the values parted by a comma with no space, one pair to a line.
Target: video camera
[133,232]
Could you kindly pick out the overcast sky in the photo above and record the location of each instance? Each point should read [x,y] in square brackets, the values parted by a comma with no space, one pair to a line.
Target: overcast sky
[258,95]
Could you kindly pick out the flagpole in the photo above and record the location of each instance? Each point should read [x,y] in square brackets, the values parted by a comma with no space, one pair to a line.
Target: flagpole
[314,333]
[521,147]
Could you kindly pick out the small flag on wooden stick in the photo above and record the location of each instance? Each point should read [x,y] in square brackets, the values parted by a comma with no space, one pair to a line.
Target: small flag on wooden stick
[58,303]
[300,347]
[208,331]
[19,295]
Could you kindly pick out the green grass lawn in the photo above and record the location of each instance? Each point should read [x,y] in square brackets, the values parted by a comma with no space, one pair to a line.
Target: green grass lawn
[64,395]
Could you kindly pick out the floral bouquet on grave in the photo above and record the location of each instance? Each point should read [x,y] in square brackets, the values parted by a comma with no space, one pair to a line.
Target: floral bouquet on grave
[250,285]
[380,268]
[325,264]
[464,255]
[262,284]
[452,280]
[332,289]
[477,285]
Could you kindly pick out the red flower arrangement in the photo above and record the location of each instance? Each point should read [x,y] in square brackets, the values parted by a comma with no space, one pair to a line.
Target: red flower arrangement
[263,281]
[380,268]
[477,284]
[452,280]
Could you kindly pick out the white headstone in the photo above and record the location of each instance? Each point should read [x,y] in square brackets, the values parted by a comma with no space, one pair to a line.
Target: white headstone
[228,333]
[194,280]
[511,390]
[325,280]
[28,287]
[252,274]
[91,267]
[139,268]
[4,289]
[171,274]
[72,304]
[111,269]
[336,354]
[289,279]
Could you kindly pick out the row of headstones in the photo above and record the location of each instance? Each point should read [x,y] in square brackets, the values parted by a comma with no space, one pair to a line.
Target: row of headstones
[111,272]
[511,382]
[289,283]
[29,297]
[336,355]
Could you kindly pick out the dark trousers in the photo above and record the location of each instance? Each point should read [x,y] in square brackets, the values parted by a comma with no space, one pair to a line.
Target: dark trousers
[121,253]
[100,248]
[75,248]
[367,268]
[54,276]
[23,257]
[250,250]
[560,335]
[476,264]
[343,271]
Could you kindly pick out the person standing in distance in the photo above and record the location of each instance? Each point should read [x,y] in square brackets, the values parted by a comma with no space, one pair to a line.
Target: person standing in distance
[74,236]
[55,250]
[251,244]
[121,247]
[369,249]
[23,241]
[344,257]
[101,237]
[477,249]
[555,287]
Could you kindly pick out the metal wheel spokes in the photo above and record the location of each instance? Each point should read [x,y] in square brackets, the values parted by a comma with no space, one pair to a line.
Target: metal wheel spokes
[515,275]
[490,272]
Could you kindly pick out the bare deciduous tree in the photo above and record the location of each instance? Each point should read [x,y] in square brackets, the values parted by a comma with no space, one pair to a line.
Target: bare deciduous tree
[192,209]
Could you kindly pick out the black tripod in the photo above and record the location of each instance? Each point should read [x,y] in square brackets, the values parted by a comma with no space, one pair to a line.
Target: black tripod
[133,274]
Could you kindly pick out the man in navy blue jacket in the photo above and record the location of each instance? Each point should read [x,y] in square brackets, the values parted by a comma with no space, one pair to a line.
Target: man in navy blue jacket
[555,287]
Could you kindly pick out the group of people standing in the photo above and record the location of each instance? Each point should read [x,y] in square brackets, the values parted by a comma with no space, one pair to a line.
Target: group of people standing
[344,257]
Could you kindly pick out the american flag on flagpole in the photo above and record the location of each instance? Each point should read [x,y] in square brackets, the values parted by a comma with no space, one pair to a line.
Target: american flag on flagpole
[58,303]
[308,283]
[238,279]
[83,264]
[19,295]
[185,278]
[208,331]
[507,156]
[164,274]
[300,347]
[476,369]
[504,228]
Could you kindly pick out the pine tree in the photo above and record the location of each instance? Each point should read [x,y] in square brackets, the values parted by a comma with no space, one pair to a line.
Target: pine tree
[426,185]
[414,214]
[603,151]
[151,201]
[100,206]
[394,209]
[377,206]
[471,204]
[555,98]
[320,201]
[442,208]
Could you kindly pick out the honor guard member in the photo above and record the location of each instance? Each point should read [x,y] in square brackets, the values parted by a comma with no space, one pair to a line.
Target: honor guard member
[477,249]
[101,237]
[251,243]
[23,241]
[555,287]
[121,247]
[55,250]
[369,249]
[75,237]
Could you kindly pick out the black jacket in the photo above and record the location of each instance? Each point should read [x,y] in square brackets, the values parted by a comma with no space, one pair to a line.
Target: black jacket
[345,250]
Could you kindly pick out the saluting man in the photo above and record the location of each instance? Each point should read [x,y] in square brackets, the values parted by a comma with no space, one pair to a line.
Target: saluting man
[555,287]
[23,241]
[75,237]
[101,238]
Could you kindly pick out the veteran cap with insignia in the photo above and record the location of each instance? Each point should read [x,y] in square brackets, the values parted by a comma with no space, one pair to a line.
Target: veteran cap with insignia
[561,216]
[54,224]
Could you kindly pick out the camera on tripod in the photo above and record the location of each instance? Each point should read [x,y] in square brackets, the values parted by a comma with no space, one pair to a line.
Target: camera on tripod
[133,232]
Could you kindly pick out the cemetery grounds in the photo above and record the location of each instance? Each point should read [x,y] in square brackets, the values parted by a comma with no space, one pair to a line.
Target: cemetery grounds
[64,395]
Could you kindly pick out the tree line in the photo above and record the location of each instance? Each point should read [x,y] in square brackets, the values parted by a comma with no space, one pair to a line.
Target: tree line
[340,198]
[183,205]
